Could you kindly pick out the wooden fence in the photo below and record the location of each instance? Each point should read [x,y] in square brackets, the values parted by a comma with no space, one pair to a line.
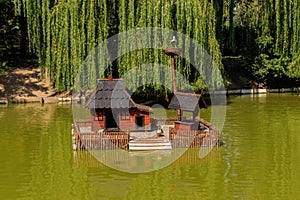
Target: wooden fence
[104,140]
[87,139]
[194,138]
[164,121]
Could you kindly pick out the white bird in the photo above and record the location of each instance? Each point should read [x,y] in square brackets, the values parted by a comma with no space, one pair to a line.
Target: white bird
[174,41]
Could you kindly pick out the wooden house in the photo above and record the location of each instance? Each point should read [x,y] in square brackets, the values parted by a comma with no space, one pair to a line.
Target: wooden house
[112,108]
[187,102]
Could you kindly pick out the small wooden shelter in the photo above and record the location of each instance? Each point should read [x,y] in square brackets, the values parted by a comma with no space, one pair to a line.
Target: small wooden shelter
[187,102]
[112,108]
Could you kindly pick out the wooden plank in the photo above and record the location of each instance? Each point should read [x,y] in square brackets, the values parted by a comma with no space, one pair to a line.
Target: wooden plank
[131,144]
[143,144]
[141,148]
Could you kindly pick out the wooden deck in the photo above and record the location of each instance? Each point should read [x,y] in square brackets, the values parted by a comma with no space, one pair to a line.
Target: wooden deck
[85,138]
[143,144]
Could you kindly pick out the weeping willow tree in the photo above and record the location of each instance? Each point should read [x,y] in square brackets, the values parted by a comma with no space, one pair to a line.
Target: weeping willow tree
[268,32]
[190,19]
[62,33]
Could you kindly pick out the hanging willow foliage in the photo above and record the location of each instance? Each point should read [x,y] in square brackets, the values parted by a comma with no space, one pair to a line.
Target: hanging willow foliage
[269,34]
[194,19]
[62,33]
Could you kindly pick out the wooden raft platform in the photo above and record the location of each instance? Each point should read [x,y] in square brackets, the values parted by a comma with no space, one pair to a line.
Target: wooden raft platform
[85,138]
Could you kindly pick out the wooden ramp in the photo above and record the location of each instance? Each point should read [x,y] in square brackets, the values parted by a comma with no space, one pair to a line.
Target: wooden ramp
[143,144]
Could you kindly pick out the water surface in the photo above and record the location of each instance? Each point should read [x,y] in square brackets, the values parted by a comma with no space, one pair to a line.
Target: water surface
[259,158]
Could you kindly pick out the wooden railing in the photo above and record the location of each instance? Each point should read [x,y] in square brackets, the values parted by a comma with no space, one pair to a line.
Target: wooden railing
[91,140]
[194,138]
[212,138]
[119,139]
[83,123]
[164,121]
[105,140]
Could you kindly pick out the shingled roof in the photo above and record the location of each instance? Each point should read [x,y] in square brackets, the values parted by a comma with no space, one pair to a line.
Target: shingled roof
[112,94]
[187,101]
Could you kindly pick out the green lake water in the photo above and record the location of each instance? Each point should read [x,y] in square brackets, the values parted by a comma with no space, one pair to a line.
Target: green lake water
[259,157]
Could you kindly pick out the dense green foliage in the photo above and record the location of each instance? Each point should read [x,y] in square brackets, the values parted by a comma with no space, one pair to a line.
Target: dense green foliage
[63,32]
[9,25]
[9,33]
[267,33]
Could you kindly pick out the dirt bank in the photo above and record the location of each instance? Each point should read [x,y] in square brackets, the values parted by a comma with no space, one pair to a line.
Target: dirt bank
[24,84]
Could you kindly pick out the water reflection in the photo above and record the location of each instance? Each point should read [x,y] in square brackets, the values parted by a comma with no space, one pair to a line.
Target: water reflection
[180,179]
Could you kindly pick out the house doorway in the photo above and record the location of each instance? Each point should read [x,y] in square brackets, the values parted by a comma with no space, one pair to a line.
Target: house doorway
[111,121]
[140,121]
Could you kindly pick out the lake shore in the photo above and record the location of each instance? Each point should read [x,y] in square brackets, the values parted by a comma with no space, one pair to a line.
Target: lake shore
[25,85]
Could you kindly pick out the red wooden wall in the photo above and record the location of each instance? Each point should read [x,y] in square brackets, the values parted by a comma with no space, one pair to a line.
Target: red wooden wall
[123,123]
[96,125]
[186,126]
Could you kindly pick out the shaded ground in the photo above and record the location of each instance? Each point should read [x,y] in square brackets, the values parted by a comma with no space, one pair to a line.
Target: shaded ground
[24,82]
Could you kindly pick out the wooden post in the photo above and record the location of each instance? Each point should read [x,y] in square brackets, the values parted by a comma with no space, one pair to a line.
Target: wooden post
[173,73]
[179,114]
[174,83]
[172,52]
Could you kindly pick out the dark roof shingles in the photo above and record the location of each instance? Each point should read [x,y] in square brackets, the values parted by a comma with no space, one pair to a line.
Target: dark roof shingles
[187,102]
[110,94]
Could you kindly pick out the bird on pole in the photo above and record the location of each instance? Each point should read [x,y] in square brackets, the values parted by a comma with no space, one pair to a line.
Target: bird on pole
[173,41]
